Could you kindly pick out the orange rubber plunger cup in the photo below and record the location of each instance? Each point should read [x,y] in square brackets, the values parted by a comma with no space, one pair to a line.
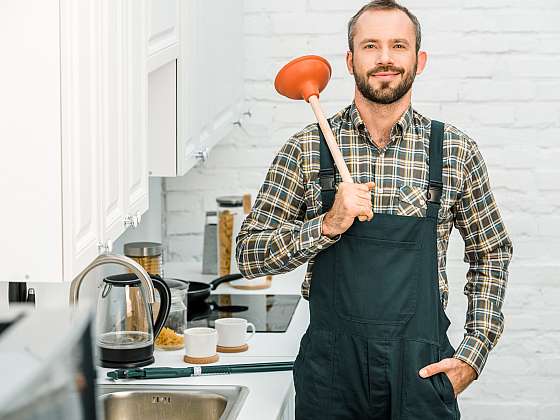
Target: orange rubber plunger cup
[303,77]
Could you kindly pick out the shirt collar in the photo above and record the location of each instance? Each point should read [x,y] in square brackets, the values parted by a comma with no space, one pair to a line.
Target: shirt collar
[403,123]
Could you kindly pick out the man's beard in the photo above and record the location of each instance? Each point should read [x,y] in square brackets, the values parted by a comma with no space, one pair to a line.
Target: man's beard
[384,95]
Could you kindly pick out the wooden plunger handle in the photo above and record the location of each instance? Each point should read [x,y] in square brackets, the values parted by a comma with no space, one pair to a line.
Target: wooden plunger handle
[331,142]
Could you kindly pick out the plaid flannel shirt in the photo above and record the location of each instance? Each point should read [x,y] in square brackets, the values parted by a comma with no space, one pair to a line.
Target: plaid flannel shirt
[283,229]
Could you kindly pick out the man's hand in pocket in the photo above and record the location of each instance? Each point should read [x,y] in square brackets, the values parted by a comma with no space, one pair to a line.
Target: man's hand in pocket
[460,374]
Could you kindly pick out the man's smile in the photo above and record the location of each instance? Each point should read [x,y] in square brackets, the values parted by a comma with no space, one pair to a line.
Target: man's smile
[385,75]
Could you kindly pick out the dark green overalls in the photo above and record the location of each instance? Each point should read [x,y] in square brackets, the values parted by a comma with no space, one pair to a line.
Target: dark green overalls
[376,316]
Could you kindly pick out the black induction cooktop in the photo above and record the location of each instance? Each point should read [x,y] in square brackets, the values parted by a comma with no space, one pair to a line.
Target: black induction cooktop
[269,313]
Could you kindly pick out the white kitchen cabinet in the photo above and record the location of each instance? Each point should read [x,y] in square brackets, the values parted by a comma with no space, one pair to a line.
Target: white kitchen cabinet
[208,80]
[163,53]
[75,126]
[162,120]
[288,410]
[80,180]
[136,110]
[163,32]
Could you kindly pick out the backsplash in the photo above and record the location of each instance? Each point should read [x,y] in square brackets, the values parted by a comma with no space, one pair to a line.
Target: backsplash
[489,73]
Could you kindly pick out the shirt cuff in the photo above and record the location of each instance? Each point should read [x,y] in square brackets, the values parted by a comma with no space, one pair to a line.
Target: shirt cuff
[474,352]
[311,236]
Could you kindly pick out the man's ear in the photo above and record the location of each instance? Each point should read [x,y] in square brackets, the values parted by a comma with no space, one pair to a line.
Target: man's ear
[422,60]
[349,62]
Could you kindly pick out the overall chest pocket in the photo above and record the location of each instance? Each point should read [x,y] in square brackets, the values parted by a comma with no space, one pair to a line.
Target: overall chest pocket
[376,280]
[412,201]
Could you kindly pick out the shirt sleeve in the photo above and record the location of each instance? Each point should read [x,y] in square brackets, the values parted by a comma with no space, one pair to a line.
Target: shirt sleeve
[488,251]
[275,237]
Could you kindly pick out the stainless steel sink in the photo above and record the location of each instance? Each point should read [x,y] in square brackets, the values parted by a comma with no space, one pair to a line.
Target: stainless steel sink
[171,402]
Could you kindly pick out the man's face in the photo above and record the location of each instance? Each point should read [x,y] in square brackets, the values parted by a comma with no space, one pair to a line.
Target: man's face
[384,62]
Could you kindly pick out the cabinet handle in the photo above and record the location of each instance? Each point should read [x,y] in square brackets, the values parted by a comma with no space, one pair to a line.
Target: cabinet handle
[202,155]
[132,221]
[128,220]
[105,247]
[239,122]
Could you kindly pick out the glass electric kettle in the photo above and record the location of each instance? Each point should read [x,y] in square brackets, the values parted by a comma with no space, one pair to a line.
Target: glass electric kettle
[125,327]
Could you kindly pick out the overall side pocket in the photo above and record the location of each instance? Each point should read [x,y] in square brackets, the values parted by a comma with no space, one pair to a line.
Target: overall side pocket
[300,359]
[426,396]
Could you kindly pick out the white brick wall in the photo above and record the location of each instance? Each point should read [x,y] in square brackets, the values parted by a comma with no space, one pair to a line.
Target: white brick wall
[494,72]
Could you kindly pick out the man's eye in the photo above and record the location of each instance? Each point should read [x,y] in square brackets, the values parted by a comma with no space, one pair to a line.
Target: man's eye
[370,46]
[399,46]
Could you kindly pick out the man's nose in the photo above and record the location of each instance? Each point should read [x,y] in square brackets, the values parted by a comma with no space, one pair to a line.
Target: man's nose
[385,57]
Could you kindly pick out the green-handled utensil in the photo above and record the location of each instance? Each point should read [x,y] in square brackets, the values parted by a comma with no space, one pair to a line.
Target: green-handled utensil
[169,372]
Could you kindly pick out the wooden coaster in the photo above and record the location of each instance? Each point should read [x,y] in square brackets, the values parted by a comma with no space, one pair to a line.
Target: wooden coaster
[238,349]
[201,360]
[264,285]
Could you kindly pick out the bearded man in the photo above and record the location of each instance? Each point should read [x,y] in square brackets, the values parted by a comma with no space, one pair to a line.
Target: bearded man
[377,345]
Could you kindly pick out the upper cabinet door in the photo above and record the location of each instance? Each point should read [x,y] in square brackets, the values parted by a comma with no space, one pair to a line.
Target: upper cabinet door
[81,46]
[74,112]
[163,51]
[210,76]
[123,122]
[194,105]
[163,32]
[136,106]
[162,120]
[112,121]
[30,129]
[104,94]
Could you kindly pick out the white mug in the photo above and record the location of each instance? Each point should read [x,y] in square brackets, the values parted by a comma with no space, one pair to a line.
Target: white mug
[200,342]
[232,332]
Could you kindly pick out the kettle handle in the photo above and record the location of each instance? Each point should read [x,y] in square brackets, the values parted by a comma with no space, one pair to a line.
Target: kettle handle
[165,303]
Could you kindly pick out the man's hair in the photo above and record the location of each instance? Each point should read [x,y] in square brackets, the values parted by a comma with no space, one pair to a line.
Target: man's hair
[382,5]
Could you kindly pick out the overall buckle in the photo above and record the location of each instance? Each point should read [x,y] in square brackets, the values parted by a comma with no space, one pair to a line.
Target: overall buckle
[326,180]
[435,190]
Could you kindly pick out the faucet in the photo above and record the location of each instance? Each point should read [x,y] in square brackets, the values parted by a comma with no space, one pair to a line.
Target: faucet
[122,260]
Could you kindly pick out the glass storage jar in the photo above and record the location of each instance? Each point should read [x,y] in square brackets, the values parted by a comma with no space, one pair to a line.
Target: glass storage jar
[148,254]
[230,217]
[171,336]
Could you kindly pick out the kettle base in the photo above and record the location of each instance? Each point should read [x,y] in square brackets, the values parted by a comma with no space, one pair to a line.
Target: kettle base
[126,358]
[116,365]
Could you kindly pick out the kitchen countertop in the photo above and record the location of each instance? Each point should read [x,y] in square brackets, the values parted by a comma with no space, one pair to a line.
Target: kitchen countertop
[267,391]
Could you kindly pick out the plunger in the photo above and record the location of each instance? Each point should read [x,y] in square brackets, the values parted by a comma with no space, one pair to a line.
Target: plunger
[304,78]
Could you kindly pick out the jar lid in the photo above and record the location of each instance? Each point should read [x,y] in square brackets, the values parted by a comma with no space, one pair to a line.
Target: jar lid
[230,201]
[142,249]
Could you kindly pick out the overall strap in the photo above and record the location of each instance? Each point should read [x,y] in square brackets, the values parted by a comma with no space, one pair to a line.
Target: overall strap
[326,173]
[435,185]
